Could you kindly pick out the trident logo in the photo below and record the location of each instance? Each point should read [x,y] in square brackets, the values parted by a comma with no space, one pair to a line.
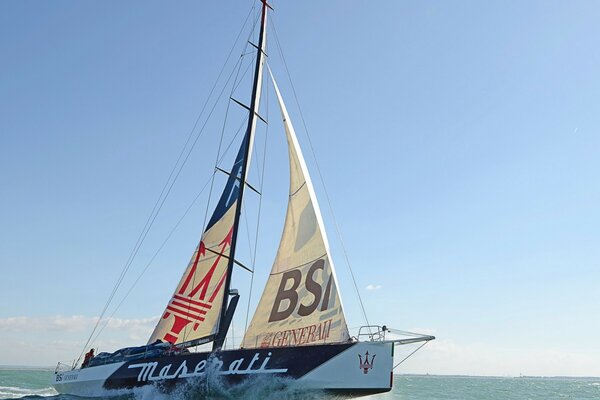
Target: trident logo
[366,365]
[185,307]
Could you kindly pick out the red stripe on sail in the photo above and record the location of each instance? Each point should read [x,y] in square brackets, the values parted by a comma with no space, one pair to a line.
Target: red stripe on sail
[197,303]
[218,287]
[188,307]
[201,252]
[182,312]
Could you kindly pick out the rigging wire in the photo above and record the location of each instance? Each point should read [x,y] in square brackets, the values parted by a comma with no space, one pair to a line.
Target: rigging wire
[413,352]
[261,182]
[172,183]
[252,251]
[337,229]
[243,122]
[236,82]
[218,158]
[243,205]
[163,195]
[151,261]
[245,213]
[235,87]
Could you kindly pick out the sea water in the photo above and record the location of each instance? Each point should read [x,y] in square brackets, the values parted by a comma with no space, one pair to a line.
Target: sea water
[34,384]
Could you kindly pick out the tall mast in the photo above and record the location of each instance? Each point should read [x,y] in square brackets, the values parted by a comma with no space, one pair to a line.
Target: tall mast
[228,307]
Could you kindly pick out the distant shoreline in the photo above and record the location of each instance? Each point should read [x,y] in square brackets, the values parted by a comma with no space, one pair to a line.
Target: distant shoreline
[25,367]
[499,377]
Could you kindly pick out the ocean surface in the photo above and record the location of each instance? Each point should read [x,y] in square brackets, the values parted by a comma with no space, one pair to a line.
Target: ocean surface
[34,384]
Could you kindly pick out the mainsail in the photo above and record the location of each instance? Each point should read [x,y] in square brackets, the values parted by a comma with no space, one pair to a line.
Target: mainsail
[194,310]
[300,304]
[197,308]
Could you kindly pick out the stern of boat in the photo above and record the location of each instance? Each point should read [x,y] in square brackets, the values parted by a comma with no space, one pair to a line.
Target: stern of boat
[367,367]
[362,369]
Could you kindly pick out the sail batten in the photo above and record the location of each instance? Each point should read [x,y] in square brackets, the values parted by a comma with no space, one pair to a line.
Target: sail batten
[301,304]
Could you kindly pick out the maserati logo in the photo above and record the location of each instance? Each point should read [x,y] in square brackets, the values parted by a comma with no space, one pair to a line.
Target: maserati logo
[366,365]
[191,303]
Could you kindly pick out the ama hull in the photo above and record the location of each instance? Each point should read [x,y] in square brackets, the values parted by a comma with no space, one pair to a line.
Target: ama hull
[344,368]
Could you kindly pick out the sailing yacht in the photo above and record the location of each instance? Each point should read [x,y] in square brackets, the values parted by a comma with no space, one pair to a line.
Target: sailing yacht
[298,330]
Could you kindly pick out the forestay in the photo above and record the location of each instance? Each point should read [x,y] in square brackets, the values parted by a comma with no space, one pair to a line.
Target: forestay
[300,304]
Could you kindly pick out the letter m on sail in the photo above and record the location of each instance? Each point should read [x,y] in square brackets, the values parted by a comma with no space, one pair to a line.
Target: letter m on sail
[193,301]
[194,310]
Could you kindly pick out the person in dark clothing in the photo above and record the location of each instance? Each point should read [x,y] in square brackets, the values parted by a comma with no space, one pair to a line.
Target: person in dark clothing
[88,356]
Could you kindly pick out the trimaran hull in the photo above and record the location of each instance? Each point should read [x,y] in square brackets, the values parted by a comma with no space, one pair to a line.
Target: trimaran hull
[354,368]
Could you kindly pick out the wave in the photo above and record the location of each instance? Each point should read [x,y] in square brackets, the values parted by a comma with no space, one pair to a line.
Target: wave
[13,392]
[213,385]
[258,387]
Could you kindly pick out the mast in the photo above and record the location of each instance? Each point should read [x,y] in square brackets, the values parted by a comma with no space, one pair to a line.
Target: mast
[228,307]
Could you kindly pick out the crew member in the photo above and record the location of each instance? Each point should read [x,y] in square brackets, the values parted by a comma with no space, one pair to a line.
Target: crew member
[88,356]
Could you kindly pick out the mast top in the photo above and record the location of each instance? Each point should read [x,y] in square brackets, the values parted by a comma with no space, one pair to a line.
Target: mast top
[266,4]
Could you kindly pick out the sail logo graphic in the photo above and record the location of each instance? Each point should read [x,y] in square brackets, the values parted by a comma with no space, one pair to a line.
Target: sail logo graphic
[192,302]
[291,294]
[299,336]
[366,365]
[154,371]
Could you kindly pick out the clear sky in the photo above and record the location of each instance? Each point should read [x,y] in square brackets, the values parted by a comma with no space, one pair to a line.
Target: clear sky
[459,143]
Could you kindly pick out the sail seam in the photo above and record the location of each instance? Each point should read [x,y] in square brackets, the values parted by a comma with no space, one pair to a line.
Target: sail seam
[287,268]
[297,190]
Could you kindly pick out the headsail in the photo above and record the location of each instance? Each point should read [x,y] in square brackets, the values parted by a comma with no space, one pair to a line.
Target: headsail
[300,304]
[194,310]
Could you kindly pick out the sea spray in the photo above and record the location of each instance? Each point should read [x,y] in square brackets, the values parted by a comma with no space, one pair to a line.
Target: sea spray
[214,385]
[20,382]
[35,383]
[12,392]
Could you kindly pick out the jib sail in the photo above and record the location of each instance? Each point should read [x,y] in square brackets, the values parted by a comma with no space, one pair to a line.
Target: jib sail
[300,304]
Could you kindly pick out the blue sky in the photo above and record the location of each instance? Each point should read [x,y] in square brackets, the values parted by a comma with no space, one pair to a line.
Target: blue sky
[458,141]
